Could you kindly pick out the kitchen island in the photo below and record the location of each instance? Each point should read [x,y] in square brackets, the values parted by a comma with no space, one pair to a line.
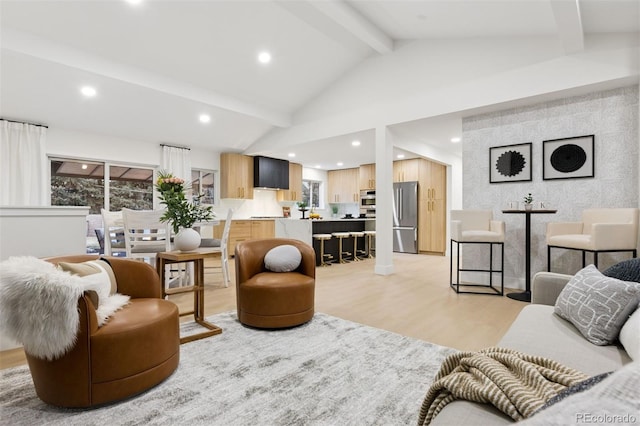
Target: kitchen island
[303,230]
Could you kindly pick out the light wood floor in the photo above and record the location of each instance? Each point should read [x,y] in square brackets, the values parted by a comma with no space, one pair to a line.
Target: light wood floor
[415,301]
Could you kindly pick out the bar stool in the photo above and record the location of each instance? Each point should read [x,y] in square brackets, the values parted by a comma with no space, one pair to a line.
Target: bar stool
[322,238]
[370,236]
[476,227]
[341,236]
[355,235]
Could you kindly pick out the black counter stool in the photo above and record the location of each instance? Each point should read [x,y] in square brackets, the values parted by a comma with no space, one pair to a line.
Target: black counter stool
[322,238]
[370,237]
[341,254]
[355,235]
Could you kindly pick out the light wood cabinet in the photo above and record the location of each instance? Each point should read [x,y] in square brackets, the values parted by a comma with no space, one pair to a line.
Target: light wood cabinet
[294,193]
[243,230]
[236,176]
[367,176]
[432,207]
[343,186]
[263,229]
[406,170]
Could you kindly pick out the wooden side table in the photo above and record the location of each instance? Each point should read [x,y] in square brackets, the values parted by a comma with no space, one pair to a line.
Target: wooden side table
[197,257]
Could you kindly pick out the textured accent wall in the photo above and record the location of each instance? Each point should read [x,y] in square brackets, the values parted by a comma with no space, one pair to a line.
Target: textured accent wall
[612,116]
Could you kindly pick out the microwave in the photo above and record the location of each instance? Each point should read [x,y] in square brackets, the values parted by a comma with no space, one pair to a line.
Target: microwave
[368,199]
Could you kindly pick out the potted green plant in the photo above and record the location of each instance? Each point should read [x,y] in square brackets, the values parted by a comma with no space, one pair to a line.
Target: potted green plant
[334,210]
[528,202]
[302,207]
[180,213]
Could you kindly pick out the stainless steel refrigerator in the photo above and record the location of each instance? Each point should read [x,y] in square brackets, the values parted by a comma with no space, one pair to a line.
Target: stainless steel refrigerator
[405,217]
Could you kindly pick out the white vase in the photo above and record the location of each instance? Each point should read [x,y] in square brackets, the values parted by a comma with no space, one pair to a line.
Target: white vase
[187,239]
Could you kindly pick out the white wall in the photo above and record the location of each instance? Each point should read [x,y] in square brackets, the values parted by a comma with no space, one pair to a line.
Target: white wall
[612,116]
[429,79]
[92,146]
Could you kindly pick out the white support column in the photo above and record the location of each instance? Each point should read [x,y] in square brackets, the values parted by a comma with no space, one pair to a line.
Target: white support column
[384,201]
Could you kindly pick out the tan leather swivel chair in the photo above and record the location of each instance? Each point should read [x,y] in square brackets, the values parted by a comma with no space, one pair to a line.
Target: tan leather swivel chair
[268,299]
[135,350]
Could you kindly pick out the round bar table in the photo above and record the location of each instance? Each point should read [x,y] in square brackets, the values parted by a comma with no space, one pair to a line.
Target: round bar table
[525,296]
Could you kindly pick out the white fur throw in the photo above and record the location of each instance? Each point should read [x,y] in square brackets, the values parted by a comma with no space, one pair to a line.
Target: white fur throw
[38,305]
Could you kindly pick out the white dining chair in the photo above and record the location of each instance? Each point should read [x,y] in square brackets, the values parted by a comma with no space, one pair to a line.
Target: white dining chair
[145,235]
[113,225]
[221,245]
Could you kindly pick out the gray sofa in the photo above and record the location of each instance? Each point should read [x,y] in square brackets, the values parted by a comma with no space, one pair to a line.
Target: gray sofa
[538,331]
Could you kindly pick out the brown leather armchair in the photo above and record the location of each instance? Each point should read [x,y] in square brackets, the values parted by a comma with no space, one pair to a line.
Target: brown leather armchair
[268,299]
[135,350]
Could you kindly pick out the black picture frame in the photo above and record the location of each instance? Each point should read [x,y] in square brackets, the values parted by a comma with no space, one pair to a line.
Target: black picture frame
[510,163]
[568,158]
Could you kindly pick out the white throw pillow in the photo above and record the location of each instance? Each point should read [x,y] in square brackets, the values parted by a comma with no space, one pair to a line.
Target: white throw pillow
[284,258]
[597,305]
[630,335]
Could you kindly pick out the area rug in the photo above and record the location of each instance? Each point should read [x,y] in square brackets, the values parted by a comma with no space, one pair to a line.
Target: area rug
[327,372]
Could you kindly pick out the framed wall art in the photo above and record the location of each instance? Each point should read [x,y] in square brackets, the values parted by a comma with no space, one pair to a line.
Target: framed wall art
[568,158]
[510,163]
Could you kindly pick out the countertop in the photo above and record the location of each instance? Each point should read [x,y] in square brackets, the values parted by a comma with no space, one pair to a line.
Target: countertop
[331,219]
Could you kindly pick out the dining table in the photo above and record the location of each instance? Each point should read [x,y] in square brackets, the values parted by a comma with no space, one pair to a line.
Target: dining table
[525,296]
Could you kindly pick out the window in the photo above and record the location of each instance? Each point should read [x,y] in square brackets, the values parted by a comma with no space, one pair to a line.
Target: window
[130,187]
[100,185]
[311,193]
[77,183]
[202,183]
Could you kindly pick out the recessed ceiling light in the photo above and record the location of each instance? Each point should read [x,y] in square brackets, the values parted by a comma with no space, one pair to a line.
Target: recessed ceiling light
[84,167]
[318,166]
[400,156]
[355,143]
[340,164]
[204,118]
[292,154]
[456,140]
[88,91]
[134,2]
[264,57]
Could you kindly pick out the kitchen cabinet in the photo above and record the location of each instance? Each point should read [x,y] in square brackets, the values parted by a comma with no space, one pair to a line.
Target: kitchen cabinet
[367,176]
[263,229]
[432,207]
[343,186]
[245,229]
[406,170]
[236,176]
[294,193]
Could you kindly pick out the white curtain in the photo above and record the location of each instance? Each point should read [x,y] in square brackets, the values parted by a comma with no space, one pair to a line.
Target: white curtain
[177,161]
[23,165]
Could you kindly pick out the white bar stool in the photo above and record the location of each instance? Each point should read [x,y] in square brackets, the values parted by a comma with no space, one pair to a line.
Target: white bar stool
[322,238]
[341,236]
[355,235]
[370,237]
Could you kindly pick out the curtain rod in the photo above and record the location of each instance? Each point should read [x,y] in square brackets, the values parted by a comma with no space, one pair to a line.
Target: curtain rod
[24,122]
[175,146]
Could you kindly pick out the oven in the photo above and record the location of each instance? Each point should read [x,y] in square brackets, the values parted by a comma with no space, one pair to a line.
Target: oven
[368,203]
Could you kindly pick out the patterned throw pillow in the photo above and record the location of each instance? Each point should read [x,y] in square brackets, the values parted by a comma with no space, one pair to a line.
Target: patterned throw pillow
[597,305]
[627,270]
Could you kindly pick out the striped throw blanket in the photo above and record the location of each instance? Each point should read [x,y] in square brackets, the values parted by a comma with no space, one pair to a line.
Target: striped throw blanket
[517,384]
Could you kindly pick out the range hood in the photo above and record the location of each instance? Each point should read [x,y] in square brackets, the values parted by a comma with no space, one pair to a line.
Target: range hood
[270,173]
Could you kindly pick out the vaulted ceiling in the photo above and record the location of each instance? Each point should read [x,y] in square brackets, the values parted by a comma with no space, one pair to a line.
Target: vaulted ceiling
[158,65]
